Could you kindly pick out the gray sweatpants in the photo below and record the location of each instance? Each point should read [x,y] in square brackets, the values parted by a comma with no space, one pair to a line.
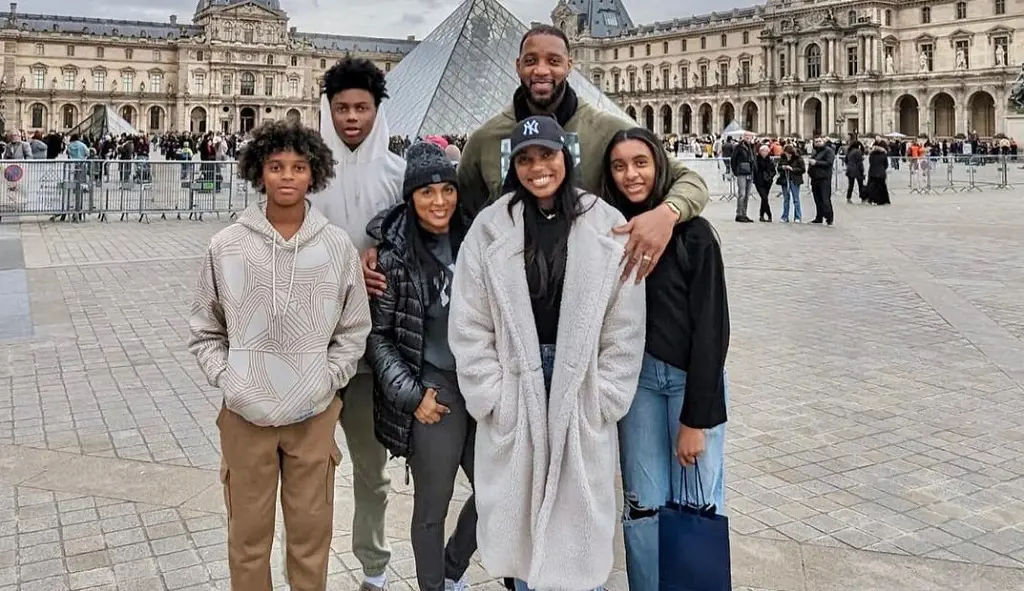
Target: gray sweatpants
[370,480]
[438,452]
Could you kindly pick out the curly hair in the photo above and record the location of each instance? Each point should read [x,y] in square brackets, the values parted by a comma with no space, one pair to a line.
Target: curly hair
[359,73]
[274,137]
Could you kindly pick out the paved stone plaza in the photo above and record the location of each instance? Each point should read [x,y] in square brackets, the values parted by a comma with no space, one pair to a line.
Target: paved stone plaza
[876,433]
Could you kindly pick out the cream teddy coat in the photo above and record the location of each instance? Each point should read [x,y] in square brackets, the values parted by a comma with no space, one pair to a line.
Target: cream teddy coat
[545,469]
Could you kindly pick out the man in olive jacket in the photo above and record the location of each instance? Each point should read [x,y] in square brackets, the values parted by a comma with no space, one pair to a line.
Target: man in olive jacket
[543,66]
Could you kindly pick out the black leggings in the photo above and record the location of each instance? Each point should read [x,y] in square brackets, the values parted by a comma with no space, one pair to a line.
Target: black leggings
[860,187]
[766,208]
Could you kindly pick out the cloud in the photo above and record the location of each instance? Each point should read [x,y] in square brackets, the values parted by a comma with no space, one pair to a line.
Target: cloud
[418,18]
[410,20]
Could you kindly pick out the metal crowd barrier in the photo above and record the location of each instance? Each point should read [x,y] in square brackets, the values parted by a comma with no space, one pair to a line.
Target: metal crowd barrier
[926,175]
[74,190]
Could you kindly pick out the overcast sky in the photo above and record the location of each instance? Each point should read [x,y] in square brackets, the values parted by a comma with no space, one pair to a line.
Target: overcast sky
[392,18]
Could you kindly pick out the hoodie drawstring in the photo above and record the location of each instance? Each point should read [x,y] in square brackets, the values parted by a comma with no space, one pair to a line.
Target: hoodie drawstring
[273,276]
[291,280]
[273,272]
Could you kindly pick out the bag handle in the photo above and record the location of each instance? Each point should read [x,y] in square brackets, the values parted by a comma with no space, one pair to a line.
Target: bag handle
[699,494]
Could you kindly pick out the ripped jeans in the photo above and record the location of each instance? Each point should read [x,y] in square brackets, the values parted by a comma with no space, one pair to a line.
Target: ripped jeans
[651,475]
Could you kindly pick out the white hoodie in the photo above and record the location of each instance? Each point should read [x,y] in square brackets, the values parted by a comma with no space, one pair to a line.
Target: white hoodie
[367,180]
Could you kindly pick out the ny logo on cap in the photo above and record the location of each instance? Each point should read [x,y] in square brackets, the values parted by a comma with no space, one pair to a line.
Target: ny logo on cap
[531,128]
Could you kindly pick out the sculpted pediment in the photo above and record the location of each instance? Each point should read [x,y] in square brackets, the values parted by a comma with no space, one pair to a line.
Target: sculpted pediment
[249,10]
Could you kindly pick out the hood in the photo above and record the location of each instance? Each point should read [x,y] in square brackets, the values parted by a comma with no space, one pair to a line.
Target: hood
[367,180]
[374,147]
[392,229]
[254,218]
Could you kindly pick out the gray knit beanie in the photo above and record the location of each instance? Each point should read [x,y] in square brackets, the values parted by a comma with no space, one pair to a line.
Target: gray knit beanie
[426,164]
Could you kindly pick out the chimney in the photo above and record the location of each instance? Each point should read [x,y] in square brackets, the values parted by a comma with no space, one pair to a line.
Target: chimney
[411,38]
[293,30]
[174,19]
[14,9]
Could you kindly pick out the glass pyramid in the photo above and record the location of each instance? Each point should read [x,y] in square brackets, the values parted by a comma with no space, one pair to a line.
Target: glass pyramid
[102,121]
[463,73]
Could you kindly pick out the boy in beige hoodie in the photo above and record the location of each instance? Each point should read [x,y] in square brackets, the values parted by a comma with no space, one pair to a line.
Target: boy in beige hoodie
[279,321]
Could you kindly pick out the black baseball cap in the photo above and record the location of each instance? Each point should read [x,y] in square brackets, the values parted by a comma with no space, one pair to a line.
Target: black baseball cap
[538,130]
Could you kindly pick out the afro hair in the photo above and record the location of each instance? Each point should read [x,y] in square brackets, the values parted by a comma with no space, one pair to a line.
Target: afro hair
[275,137]
[359,73]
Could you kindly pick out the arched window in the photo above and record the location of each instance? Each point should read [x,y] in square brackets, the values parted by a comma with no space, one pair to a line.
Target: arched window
[38,115]
[270,60]
[68,116]
[155,118]
[248,84]
[851,17]
[248,34]
[813,55]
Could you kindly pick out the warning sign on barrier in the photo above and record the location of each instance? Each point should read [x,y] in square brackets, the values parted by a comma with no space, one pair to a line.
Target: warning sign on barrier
[13,173]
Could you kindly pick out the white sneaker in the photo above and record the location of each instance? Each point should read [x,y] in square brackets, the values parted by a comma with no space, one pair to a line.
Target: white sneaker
[460,585]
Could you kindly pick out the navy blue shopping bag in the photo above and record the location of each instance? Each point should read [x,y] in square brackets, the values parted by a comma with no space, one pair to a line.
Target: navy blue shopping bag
[693,544]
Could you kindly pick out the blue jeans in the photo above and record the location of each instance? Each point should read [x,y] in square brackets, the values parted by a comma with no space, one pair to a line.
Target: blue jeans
[521,586]
[791,192]
[547,364]
[651,474]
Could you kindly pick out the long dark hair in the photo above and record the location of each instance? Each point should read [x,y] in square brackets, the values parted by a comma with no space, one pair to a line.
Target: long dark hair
[568,207]
[662,178]
[662,184]
[435,274]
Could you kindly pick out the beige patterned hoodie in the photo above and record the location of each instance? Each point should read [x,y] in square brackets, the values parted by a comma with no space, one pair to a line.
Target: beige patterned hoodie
[279,325]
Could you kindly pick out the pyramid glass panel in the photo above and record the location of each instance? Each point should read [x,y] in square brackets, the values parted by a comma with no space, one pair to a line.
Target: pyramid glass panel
[103,121]
[407,108]
[463,74]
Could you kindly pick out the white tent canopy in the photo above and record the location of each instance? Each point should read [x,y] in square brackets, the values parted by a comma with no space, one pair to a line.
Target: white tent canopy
[735,130]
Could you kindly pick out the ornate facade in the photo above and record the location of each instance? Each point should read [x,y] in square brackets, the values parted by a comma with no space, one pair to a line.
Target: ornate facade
[236,65]
[807,67]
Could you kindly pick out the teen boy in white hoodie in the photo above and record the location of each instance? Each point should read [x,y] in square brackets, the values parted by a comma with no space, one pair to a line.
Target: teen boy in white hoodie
[368,180]
[279,322]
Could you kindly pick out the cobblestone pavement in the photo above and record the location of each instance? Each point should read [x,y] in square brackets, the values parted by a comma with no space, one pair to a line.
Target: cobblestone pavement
[876,433]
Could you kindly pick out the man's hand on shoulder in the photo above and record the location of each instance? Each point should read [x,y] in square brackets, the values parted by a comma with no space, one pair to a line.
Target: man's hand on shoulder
[375,281]
[649,234]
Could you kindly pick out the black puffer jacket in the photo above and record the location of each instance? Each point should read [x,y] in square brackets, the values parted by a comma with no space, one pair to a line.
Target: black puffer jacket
[395,346]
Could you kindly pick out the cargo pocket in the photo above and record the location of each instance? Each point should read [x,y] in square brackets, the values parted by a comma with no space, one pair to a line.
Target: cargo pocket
[225,480]
[332,465]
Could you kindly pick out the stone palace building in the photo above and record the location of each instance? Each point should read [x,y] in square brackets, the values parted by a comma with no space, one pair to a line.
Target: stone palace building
[807,67]
[237,64]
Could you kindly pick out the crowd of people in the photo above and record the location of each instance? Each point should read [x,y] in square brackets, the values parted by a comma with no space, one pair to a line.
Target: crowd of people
[123,146]
[760,165]
[538,328]
[899,147]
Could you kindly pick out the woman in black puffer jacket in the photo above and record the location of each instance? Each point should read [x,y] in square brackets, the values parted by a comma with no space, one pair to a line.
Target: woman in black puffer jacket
[419,412]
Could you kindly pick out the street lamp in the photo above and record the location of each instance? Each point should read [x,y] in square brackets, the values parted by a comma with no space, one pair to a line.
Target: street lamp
[3,104]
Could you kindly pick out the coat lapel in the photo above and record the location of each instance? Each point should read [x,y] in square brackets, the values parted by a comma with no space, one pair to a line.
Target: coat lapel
[506,267]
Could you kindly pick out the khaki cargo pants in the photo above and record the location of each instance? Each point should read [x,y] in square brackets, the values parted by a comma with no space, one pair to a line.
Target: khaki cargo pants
[303,457]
